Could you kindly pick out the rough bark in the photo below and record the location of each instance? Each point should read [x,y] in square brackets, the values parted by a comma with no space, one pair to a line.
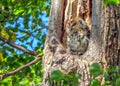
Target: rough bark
[111,15]
[104,26]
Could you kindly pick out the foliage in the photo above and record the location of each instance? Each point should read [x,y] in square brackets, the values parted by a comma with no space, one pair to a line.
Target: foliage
[68,79]
[31,75]
[114,2]
[111,76]
[95,70]
[22,22]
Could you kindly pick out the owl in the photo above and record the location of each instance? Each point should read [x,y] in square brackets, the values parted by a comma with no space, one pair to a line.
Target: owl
[77,39]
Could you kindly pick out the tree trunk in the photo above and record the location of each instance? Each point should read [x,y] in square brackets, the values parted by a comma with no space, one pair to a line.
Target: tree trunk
[103,27]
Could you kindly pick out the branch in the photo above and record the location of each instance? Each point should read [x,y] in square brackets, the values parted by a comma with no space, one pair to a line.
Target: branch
[20,68]
[29,33]
[18,47]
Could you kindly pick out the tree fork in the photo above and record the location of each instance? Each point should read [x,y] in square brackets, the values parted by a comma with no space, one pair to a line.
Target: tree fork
[63,14]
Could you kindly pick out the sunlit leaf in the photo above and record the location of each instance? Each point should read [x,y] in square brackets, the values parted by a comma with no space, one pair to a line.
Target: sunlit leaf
[4,34]
[1,57]
[114,2]
[18,11]
[0,72]
[13,35]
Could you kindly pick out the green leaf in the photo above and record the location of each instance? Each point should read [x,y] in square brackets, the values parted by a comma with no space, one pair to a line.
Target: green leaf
[95,82]
[117,82]
[16,12]
[114,2]
[1,57]
[113,69]
[95,69]
[78,76]
[106,76]
[107,83]
[57,75]
[1,17]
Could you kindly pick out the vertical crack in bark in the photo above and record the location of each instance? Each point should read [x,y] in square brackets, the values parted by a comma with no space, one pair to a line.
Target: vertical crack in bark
[111,35]
[116,33]
[63,29]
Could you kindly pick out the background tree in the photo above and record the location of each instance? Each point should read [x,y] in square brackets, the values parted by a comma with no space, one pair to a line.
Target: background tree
[23,26]
[103,47]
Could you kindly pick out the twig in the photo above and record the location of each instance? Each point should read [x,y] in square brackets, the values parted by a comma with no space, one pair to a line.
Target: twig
[18,47]
[20,68]
[29,33]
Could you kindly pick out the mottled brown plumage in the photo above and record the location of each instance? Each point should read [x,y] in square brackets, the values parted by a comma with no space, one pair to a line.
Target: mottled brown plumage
[77,40]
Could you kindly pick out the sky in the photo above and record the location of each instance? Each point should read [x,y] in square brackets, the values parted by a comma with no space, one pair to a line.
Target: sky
[20,21]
